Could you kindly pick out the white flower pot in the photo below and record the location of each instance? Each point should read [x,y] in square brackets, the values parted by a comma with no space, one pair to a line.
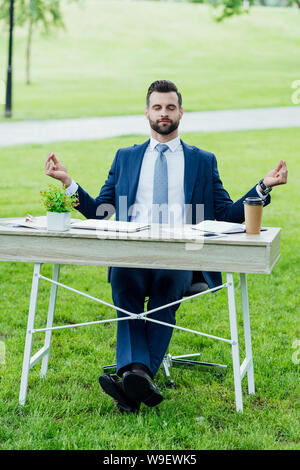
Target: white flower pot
[58,222]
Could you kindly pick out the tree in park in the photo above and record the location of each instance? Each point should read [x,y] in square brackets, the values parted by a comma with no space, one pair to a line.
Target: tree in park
[297,2]
[33,15]
[237,7]
[231,7]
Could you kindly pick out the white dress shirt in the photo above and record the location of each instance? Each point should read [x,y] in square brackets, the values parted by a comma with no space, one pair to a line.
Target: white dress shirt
[141,211]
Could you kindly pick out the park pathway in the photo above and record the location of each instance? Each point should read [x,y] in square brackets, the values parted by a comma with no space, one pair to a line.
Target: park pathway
[93,128]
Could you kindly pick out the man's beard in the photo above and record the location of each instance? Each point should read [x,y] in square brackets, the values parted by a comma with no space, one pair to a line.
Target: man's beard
[157,127]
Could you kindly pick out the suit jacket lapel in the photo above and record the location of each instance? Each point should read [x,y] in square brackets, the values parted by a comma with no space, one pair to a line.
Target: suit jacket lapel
[135,164]
[191,163]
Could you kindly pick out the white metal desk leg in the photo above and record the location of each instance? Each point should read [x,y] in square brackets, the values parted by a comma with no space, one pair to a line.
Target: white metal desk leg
[235,344]
[247,333]
[51,310]
[30,326]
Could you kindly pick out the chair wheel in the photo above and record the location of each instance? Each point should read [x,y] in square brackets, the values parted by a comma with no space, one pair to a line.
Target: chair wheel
[171,384]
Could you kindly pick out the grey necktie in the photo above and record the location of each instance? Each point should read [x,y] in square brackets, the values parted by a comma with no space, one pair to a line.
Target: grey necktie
[160,186]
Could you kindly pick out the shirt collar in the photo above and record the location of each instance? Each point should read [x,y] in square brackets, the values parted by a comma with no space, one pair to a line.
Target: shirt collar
[172,144]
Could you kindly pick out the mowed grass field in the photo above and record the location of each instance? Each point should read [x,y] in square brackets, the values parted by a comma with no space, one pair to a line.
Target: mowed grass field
[111,51]
[68,410]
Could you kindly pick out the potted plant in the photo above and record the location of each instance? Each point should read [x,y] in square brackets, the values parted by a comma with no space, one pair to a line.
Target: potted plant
[58,205]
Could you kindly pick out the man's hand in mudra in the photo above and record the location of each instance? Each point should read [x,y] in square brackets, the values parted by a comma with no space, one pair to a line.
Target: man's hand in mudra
[277,176]
[56,170]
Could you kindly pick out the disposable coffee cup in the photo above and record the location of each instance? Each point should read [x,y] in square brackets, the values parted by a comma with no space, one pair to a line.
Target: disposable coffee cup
[253,208]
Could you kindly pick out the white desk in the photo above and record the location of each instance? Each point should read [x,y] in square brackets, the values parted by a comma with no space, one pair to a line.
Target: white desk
[238,253]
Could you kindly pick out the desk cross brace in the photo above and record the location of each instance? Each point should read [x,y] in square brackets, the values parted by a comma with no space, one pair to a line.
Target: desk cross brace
[43,354]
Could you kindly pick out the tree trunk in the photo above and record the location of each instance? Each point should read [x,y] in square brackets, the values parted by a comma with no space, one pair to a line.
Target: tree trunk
[28,51]
[297,3]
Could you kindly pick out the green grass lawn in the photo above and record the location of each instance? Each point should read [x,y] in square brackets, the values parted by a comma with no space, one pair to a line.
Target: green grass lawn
[112,50]
[67,410]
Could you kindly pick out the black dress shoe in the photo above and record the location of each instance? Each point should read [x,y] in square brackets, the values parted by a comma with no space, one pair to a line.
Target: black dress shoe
[113,387]
[139,386]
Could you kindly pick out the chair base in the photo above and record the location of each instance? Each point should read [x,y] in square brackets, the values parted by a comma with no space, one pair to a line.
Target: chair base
[180,361]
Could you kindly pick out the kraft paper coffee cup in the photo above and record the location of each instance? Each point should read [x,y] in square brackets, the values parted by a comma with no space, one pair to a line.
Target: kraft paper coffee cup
[253,208]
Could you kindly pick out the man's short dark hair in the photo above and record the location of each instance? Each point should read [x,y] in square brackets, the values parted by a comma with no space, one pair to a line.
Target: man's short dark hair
[163,86]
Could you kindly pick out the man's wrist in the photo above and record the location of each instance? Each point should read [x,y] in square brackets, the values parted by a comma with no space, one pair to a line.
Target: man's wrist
[67,182]
[263,188]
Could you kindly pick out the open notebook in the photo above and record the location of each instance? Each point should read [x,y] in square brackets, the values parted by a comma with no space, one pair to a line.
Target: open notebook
[37,223]
[221,227]
[109,225]
[40,223]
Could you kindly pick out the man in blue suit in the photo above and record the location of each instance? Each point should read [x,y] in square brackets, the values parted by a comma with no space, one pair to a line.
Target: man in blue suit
[158,181]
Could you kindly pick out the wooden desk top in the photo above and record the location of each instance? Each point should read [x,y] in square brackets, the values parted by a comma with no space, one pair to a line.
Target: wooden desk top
[149,249]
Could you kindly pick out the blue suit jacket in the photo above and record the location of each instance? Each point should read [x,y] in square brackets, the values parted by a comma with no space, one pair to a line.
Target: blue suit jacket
[202,185]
